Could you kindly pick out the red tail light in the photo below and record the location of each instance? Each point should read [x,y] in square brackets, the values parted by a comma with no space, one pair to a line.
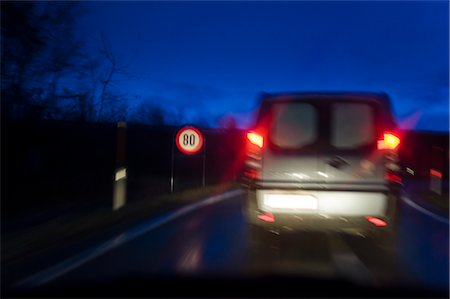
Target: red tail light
[254,156]
[434,172]
[267,217]
[389,141]
[376,221]
[393,178]
[256,139]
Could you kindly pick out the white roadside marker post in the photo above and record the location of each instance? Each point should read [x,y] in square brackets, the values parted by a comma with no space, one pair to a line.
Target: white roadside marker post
[120,177]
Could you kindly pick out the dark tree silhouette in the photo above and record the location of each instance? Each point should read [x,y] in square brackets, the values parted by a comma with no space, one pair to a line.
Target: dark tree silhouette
[48,72]
[39,50]
[148,113]
[21,41]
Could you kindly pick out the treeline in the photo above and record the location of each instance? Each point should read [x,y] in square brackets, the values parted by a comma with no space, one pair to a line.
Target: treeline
[47,71]
[52,70]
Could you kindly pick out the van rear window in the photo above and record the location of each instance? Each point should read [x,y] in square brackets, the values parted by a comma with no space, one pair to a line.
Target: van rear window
[352,125]
[294,125]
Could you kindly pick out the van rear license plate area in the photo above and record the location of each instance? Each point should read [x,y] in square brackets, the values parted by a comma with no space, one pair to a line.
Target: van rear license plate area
[274,201]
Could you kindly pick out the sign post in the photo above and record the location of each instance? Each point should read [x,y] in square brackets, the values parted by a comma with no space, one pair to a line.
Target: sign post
[204,164]
[171,169]
[189,140]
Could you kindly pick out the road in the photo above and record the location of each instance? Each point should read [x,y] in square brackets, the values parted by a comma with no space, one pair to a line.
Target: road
[210,241]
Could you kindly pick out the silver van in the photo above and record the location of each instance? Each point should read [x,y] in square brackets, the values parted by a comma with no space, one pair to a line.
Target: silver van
[323,161]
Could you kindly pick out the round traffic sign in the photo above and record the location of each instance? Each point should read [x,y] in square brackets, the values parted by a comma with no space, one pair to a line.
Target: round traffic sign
[189,140]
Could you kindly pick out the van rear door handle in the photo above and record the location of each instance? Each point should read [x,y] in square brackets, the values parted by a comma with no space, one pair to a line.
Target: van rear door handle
[337,162]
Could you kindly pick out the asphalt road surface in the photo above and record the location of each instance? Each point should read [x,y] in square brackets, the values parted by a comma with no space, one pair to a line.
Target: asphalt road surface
[204,251]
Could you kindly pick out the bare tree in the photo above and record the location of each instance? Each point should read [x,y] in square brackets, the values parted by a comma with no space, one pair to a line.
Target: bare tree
[113,66]
[21,42]
[47,70]
[39,51]
[149,113]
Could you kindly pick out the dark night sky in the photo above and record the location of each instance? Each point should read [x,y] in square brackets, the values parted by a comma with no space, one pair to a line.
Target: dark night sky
[213,58]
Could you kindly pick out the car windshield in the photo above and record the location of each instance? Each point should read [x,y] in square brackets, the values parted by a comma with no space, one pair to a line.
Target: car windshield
[224,149]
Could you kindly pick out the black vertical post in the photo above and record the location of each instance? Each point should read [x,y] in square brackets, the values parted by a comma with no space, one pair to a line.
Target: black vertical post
[171,163]
[204,162]
[120,178]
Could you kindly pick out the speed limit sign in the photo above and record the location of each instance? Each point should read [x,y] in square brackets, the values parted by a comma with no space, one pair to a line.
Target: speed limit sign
[189,140]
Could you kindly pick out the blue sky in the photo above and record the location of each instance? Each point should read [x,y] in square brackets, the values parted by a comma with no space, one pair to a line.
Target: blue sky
[211,59]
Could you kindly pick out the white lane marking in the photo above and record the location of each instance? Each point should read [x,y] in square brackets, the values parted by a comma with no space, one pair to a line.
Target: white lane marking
[423,210]
[49,274]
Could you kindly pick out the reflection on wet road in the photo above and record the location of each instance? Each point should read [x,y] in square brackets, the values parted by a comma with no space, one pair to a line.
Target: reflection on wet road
[213,240]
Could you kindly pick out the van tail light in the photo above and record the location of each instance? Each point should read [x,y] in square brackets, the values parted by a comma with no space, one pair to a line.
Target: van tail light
[255,139]
[389,141]
[376,221]
[392,177]
[254,156]
[267,217]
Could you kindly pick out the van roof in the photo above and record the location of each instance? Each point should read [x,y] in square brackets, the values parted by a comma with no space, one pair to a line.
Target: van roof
[380,97]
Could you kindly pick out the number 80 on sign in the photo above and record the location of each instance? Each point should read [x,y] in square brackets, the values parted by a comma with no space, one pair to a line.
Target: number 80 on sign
[189,140]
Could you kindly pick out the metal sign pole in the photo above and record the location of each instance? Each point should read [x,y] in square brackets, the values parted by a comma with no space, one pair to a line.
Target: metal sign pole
[189,141]
[171,165]
[204,161]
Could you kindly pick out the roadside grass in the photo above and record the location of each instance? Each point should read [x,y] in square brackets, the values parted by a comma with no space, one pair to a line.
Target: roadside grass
[67,229]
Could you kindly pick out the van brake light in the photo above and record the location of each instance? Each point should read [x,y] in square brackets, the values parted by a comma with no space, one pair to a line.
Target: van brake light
[376,221]
[267,217]
[390,141]
[256,139]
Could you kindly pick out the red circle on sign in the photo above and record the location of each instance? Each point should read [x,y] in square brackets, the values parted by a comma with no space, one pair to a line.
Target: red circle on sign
[194,140]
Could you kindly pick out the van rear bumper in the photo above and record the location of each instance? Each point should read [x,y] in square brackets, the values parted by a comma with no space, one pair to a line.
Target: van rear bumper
[330,203]
[319,185]
[352,224]
[321,209]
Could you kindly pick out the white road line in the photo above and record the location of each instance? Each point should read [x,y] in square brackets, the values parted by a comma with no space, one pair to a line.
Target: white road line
[49,274]
[425,211]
